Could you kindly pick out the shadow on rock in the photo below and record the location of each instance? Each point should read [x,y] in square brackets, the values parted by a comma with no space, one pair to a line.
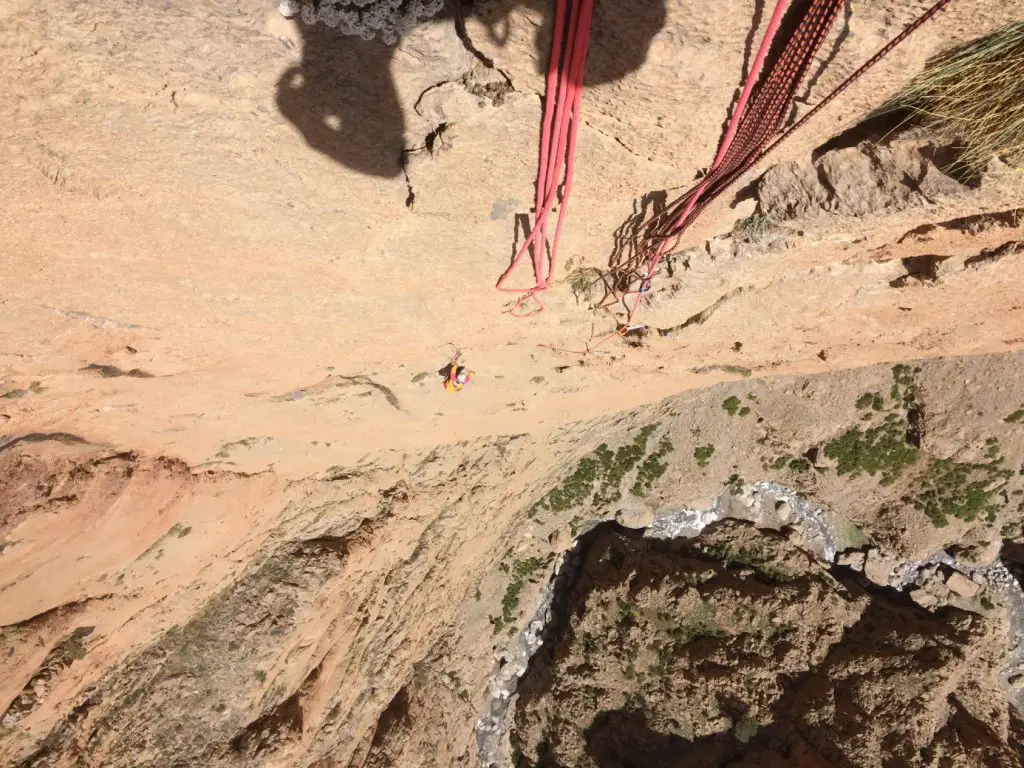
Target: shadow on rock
[342,96]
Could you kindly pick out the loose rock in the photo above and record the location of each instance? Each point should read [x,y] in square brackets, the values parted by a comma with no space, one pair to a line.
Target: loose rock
[853,560]
[962,586]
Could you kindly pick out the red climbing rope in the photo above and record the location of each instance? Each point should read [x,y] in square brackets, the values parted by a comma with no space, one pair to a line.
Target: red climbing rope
[754,130]
[751,125]
[559,129]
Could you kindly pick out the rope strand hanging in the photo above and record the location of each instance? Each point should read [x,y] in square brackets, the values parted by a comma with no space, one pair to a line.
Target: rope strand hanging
[559,129]
[754,130]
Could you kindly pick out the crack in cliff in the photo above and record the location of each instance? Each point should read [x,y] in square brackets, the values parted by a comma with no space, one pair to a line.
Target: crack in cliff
[705,314]
[616,139]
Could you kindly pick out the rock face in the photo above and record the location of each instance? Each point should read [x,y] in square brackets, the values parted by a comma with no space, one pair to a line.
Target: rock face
[664,656]
[283,179]
[854,560]
[962,586]
[859,180]
[240,520]
[210,617]
[878,568]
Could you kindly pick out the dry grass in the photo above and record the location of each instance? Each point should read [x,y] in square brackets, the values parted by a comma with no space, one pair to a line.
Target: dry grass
[975,95]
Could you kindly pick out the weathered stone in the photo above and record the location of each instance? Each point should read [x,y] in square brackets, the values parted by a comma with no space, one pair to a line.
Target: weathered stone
[853,560]
[924,598]
[634,517]
[962,586]
[877,567]
[855,181]
[784,511]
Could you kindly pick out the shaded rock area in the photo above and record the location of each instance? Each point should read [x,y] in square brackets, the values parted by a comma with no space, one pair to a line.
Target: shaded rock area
[738,648]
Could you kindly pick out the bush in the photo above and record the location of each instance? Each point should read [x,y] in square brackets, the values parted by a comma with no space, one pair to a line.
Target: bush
[703,454]
[974,94]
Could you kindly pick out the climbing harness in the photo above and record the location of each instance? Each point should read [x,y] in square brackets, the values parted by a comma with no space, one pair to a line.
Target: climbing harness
[754,130]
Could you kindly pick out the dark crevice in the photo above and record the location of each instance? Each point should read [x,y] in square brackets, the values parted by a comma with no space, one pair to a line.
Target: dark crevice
[61,656]
[112,371]
[826,182]
[990,255]
[467,42]
[702,317]
[876,128]
[915,426]
[948,159]
[970,225]
[54,614]
[410,198]
[41,437]
[432,139]
[921,269]
[394,719]
[285,719]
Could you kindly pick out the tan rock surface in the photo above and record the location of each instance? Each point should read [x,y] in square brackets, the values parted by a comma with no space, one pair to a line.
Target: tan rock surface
[158,195]
[240,523]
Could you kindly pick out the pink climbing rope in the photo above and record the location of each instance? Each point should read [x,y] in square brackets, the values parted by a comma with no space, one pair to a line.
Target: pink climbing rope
[730,134]
[754,130]
[758,125]
[559,129]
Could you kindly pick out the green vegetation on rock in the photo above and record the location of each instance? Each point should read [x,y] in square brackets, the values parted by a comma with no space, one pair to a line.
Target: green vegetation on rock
[873,400]
[1016,417]
[904,387]
[879,450]
[964,490]
[883,449]
[616,466]
[597,479]
[703,454]
[520,572]
[755,225]
[652,468]
[734,406]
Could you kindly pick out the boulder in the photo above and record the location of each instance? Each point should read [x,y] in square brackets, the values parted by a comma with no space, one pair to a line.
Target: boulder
[877,567]
[852,559]
[961,585]
[924,598]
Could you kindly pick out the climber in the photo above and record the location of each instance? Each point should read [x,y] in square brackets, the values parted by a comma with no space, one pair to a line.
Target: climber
[455,375]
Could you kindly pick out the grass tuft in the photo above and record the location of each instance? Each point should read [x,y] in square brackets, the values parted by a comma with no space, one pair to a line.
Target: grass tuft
[974,94]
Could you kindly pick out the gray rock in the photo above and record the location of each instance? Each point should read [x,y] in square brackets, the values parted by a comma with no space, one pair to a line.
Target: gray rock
[784,511]
[634,517]
[288,8]
[855,181]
